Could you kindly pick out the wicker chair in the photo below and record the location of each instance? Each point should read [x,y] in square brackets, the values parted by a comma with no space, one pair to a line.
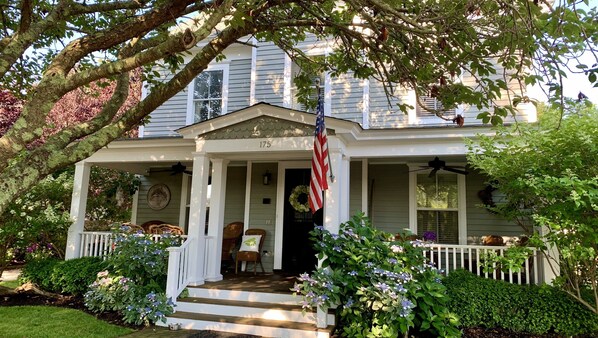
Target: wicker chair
[231,237]
[146,225]
[165,228]
[252,256]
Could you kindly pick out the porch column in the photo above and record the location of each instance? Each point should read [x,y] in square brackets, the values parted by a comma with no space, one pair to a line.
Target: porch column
[78,207]
[336,206]
[197,217]
[216,223]
[345,182]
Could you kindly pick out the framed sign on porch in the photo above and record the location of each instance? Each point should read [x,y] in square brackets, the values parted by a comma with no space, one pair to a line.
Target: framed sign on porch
[158,196]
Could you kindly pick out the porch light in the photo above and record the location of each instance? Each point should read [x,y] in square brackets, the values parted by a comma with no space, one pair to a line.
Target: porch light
[267,178]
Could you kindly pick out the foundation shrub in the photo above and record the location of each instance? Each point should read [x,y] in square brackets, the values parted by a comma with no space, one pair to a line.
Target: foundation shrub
[39,272]
[66,277]
[481,302]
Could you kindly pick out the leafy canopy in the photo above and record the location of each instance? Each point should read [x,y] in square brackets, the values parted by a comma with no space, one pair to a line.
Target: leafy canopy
[549,175]
[49,48]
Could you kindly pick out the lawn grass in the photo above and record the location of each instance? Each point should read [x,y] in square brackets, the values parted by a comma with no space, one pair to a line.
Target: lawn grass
[49,322]
[11,284]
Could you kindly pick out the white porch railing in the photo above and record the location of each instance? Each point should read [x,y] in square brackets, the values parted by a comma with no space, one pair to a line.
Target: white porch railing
[179,266]
[450,257]
[101,243]
[96,244]
[179,271]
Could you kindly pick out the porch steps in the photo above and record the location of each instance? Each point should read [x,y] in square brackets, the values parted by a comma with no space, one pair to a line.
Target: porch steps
[265,314]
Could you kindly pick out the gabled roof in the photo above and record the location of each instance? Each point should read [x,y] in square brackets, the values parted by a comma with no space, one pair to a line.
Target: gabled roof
[263,113]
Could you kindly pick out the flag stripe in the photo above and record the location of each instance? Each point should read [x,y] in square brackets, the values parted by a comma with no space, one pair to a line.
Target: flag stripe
[319,162]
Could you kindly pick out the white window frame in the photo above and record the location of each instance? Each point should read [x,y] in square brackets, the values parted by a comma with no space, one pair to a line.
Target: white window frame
[461,200]
[287,97]
[190,99]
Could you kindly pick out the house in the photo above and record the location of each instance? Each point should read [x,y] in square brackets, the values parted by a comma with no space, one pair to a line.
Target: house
[236,143]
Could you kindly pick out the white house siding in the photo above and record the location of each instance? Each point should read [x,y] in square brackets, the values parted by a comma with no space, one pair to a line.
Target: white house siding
[239,83]
[269,86]
[234,207]
[263,216]
[355,188]
[170,214]
[389,190]
[481,222]
[347,98]
[170,116]
[383,115]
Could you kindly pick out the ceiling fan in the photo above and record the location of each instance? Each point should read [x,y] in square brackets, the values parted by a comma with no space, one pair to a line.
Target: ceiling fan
[174,169]
[436,164]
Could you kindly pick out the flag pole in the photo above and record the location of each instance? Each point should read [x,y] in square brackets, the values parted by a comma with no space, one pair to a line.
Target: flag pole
[331,174]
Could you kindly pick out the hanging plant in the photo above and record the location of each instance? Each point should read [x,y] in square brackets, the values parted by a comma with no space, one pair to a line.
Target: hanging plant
[294,198]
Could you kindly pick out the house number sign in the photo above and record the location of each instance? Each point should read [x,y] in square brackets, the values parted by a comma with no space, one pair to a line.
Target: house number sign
[265,144]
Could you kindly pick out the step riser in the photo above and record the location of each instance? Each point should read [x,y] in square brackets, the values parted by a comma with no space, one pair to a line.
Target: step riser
[250,312]
[246,312]
[264,331]
[262,297]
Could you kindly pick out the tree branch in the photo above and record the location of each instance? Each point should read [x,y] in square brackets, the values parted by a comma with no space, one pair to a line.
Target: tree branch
[26,14]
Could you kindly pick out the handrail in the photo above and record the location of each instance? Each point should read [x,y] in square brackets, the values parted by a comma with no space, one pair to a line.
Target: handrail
[179,273]
[450,257]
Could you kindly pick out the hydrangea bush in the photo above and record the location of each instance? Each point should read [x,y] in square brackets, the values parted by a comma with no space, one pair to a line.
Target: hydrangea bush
[138,280]
[137,256]
[381,287]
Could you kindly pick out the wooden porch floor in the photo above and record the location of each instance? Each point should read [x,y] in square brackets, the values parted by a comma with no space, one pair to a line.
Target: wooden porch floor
[262,282]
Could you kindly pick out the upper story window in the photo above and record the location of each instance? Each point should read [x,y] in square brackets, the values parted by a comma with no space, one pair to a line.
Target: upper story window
[316,88]
[430,104]
[208,97]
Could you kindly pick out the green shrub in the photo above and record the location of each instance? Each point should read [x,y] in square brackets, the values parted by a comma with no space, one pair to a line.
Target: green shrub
[74,276]
[39,272]
[383,287]
[481,302]
[69,277]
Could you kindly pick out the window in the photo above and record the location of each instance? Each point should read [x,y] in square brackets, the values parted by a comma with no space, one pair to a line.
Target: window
[314,90]
[438,205]
[208,96]
[430,103]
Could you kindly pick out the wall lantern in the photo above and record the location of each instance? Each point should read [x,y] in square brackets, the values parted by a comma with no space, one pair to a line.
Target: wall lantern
[267,177]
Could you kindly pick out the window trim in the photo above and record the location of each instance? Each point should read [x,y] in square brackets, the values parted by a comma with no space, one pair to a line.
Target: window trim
[461,200]
[190,99]
[287,98]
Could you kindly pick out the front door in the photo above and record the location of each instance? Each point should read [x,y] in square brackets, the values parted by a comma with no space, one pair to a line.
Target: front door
[298,254]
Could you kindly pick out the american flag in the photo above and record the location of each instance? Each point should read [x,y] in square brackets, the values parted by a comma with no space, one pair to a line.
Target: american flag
[319,161]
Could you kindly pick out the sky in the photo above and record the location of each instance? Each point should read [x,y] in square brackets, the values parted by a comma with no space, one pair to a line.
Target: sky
[574,83]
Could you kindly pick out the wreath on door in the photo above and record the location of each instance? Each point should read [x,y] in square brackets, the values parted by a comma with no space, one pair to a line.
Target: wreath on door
[294,198]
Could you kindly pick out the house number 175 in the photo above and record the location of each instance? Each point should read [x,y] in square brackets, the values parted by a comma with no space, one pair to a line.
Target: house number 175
[265,144]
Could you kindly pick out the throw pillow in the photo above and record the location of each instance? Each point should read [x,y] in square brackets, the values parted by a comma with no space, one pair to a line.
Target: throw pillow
[251,243]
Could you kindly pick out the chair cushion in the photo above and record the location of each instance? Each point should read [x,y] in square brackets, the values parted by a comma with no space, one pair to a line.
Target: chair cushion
[250,243]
